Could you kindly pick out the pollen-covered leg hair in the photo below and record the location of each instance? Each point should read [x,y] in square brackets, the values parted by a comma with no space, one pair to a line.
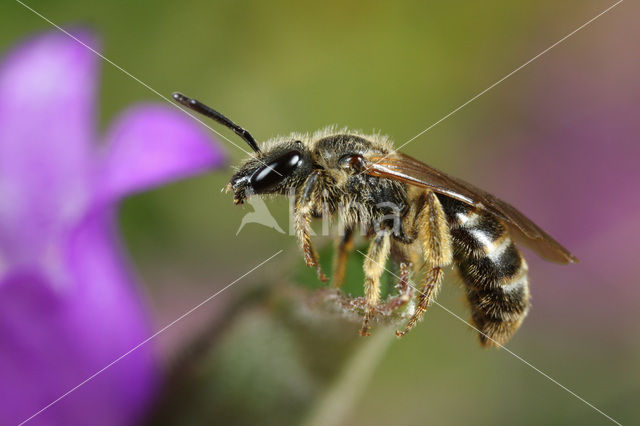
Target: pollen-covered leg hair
[374,264]
[438,252]
[302,220]
[344,247]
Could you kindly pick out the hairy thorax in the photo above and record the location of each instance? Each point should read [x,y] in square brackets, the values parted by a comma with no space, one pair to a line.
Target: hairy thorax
[360,200]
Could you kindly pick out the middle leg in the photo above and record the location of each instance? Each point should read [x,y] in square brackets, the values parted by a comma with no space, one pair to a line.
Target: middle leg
[374,264]
[344,247]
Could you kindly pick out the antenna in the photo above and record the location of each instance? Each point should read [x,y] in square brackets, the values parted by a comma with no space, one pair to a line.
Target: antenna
[216,116]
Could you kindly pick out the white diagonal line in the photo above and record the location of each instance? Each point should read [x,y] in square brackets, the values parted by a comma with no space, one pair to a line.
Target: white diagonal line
[162,330]
[502,346]
[140,81]
[504,78]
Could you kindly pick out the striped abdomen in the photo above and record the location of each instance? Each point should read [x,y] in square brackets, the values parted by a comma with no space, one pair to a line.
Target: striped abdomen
[492,269]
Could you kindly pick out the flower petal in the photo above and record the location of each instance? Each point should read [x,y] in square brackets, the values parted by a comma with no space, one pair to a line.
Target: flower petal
[52,341]
[47,91]
[154,144]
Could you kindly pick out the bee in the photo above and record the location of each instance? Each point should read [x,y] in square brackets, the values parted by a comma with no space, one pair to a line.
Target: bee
[422,218]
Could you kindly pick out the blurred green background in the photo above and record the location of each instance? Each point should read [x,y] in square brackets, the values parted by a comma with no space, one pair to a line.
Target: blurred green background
[277,67]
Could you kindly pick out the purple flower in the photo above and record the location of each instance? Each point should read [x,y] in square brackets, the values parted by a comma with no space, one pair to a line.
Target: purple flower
[68,303]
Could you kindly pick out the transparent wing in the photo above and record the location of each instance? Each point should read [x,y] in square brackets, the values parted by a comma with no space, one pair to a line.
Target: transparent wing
[404,168]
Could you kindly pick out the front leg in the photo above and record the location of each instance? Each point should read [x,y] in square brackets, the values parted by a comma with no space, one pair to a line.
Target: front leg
[302,218]
[374,264]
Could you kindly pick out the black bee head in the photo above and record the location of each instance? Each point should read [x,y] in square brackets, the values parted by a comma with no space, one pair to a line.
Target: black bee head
[273,172]
[285,166]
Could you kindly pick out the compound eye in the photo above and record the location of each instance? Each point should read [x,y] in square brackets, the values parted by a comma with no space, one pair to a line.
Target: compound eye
[268,177]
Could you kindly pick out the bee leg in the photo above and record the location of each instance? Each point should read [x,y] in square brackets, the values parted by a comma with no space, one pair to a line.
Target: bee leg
[437,249]
[427,291]
[403,287]
[405,293]
[374,264]
[304,235]
[302,219]
[344,247]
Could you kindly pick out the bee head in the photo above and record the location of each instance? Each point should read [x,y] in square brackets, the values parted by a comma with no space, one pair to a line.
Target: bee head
[274,172]
[284,166]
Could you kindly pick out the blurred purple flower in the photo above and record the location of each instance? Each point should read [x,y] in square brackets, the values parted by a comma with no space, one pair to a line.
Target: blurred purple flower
[68,303]
[588,187]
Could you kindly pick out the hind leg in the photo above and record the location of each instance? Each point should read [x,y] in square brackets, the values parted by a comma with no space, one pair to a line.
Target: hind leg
[426,293]
[374,264]
[437,251]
